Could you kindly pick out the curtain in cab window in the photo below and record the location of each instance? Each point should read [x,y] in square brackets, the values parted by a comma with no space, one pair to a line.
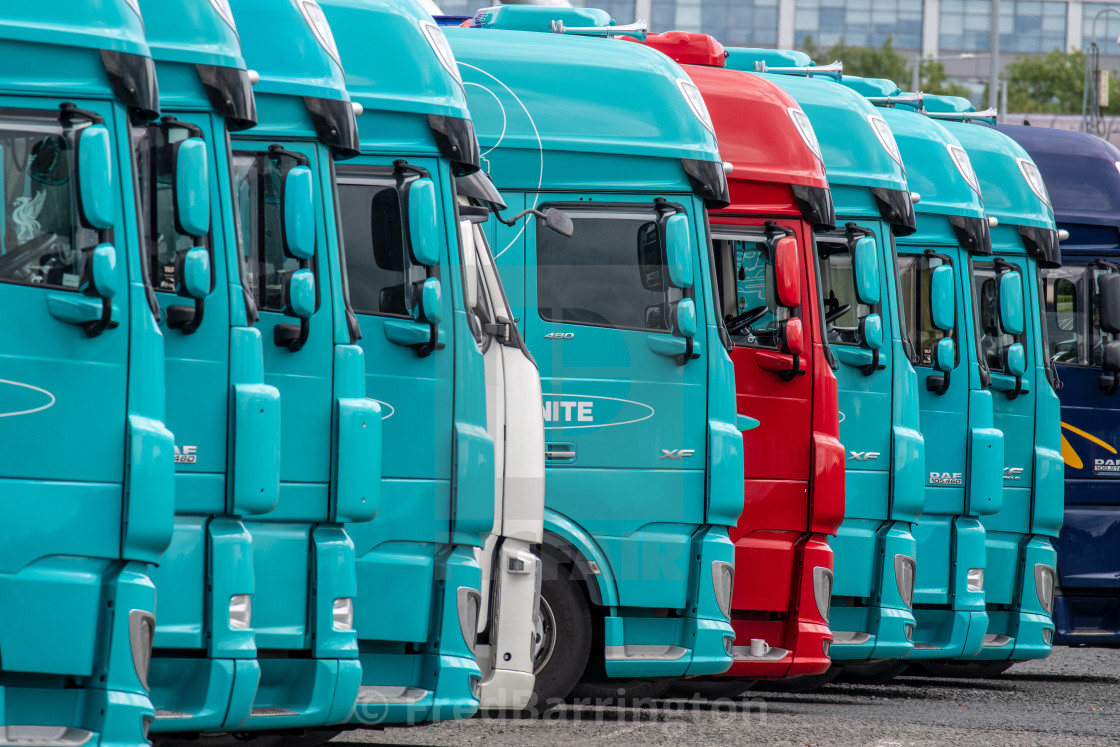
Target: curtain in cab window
[611,273]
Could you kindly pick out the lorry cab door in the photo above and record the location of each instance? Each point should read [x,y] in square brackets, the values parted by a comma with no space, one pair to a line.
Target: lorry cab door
[625,402]
[65,340]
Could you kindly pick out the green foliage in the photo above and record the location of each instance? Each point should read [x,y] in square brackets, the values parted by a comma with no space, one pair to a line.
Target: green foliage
[1052,84]
[934,80]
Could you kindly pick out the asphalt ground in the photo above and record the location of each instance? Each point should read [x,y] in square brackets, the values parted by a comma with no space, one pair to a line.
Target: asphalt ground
[1071,698]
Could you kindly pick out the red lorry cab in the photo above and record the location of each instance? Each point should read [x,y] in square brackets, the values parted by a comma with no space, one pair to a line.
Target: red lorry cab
[793,498]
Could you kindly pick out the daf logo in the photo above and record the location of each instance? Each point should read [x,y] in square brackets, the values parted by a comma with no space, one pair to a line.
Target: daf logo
[946,478]
[1012,473]
[863,456]
[560,336]
[676,453]
[1106,465]
[186,454]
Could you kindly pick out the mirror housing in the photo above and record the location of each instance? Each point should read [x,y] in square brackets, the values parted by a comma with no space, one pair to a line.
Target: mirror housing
[945,355]
[559,222]
[1108,302]
[301,294]
[942,298]
[684,321]
[104,278]
[865,263]
[793,337]
[299,213]
[429,301]
[871,332]
[192,187]
[1011,303]
[1015,359]
[95,176]
[470,263]
[193,273]
[678,258]
[1111,362]
[787,272]
[423,222]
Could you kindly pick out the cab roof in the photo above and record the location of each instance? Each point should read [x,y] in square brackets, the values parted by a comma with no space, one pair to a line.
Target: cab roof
[538,17]
[996,158]
[291,57]
[853,153]
[1080,170]
[194,33]
[402,71]
[744,58]
[931,171]
[687,48]
[545,92]
[114,25]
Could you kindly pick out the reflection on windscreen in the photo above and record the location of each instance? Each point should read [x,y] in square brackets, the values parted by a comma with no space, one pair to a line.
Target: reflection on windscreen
[155,176]
[611,273]
[1071,315]
[914,272]
[842,311]
[43,240]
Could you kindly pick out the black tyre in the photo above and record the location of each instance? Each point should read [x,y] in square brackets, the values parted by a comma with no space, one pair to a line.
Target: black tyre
[806,684]
[872,672]
[310,738]
[966,669]
[711,689]
[565,642]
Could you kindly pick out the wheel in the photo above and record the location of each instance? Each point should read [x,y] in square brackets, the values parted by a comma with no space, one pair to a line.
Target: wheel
[711,689]
[966,669]
[872,672]
[602,690]
[806,684]
[310,738]
[565,642]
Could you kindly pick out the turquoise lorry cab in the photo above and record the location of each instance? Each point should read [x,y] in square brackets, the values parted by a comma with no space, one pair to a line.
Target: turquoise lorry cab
[1021,560]
[204,672]
[84,511]
[643,453]
[397,204]
[871,353]
[964,473]
[330,433]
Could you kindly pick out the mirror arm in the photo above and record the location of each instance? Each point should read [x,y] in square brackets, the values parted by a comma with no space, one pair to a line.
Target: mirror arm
[873,366]
[687,355]
[280,150]
[1109,383]
[186,319]
[93,329]
[432,345]
[68,111]
[794,370]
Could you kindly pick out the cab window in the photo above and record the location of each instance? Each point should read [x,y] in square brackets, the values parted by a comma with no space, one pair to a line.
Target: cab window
[914,271]
[745,272]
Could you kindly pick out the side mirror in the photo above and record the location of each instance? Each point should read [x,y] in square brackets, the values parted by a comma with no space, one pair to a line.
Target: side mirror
[865,263]
[1108,302]
[193,273]
[559,222]
[787,272]
[1016,359]
[871,329]
[677,254]
[1011,303]
[192,187]
[470,262]
[429,301]
[299,213]
[1111,362]
[942,298]
[301,293]
[423,222]
[945,355]
[104,277]
[793,336]
[685,319]
[95,176]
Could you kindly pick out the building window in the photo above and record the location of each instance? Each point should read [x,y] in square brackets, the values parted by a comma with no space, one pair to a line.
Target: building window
[1108,27]
[1024,26]
[857,24]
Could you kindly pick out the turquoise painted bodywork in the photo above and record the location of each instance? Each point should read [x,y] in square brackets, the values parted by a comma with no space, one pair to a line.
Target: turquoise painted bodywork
[575,122]
[438,458]
[226,419]
[870,618]
[303,559]
[1019,536]
[84,512]
[964,470]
